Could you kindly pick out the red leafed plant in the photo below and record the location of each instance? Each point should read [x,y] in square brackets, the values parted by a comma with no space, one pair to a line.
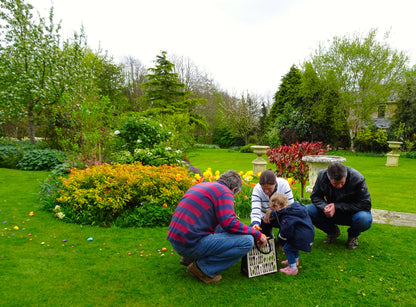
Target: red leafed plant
[288,160]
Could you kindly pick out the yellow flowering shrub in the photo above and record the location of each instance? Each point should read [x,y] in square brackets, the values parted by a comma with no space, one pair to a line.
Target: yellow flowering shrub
[101,194]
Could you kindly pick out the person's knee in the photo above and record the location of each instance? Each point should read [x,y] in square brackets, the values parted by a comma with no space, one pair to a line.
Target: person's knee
[312,211]
[363,220]
[249,241]
[246,244]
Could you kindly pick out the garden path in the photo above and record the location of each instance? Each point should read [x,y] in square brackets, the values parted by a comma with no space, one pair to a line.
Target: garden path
[393,218]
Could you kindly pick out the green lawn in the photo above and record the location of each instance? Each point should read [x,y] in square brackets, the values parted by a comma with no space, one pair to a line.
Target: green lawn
[47,262]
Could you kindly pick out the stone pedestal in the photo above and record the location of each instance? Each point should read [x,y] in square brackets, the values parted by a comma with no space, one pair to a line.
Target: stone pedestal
[317,163]
[259,164]
[393,156]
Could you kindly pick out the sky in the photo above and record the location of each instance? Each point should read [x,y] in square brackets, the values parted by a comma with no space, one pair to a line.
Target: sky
[244,45]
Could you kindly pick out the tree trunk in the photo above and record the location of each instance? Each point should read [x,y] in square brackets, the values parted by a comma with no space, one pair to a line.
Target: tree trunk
[31,120]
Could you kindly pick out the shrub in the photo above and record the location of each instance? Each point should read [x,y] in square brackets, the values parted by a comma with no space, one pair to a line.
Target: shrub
[40,159]
[127,195]
[288,160]
[409,154]
[140,133]
[9,156]
[156,156]
[147,141]
[25,156]
[246,149]
[368,140]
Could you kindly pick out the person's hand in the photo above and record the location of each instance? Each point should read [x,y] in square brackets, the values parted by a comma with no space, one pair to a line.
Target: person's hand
[329,210]
[262,242]
[266,217]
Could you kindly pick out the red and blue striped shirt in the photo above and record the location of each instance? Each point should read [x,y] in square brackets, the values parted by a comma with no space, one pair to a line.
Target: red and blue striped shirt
[203,207]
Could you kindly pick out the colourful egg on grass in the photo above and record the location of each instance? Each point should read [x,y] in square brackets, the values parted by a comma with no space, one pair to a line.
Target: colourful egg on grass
[90,239]
[164,249]
[16,227]
[31,213]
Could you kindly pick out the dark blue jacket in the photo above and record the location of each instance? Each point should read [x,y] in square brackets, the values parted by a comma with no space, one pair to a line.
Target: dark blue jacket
[296,227]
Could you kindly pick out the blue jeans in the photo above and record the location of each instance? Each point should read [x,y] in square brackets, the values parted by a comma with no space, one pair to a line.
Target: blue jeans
[360,221]
[292,254]
[218,251]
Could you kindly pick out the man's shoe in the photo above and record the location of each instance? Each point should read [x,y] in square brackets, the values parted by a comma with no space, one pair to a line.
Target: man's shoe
[186,261]
[287,270]
[330,238]
[196,272]
[352,242]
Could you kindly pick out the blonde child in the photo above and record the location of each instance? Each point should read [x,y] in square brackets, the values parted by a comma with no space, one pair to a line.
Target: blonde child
[296,230]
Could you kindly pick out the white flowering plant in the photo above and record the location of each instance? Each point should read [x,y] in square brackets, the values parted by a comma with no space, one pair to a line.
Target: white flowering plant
[146,141]
[141,133]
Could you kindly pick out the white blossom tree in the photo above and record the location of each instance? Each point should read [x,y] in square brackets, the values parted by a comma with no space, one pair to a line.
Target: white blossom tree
[36,69]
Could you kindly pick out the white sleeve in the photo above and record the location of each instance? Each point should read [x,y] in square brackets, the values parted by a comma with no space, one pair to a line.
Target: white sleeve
[259,204]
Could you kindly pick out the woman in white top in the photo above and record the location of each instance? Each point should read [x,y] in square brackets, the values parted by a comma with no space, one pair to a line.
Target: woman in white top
[267,186]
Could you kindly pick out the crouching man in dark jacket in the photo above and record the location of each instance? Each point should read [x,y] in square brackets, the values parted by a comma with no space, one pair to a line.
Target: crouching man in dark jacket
[341,197]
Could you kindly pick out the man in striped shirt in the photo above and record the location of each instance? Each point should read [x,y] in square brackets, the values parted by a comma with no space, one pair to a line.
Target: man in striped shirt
[206,232]
[261,214]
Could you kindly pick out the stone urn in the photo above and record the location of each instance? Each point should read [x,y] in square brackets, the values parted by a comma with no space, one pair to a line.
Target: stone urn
[394,154]
[259,164]
[317,163]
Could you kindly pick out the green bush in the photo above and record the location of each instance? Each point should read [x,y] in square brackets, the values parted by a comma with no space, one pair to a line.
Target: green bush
[125,195]
[147,141]
[369,140]
[25,156]
[40,159]
[246,149]
[156,156]
[410,154]
[223,137]
[141,133]
[9,156]
[147,215]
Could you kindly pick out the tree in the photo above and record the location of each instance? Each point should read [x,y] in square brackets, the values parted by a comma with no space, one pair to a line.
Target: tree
[163,90]
[365,72]
[242,116]
[288,93]
[134,75]
[36,69]
[405,114]
[321,109]
[167,99]
[107,77]
[285,123]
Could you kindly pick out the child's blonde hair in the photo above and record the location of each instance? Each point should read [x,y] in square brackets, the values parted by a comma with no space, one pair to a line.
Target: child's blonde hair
[278,201]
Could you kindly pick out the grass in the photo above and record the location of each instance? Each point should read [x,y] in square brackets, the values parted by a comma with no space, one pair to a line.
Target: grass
[123,267]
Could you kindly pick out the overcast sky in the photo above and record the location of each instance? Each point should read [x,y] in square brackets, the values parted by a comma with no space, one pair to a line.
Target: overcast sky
[245,45]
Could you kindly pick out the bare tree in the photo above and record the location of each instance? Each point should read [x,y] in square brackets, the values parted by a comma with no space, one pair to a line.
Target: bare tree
[134,74]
